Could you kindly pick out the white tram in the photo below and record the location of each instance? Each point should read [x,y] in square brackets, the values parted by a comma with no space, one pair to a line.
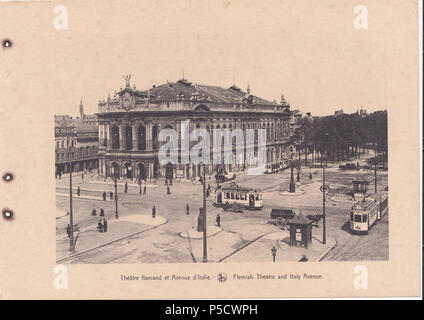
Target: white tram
[247,197]
[367,212]
[272,167]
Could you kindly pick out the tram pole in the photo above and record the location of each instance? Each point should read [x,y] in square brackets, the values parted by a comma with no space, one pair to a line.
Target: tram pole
[324,238]
[205,247]
[375,167]
[71,217]
[116,196]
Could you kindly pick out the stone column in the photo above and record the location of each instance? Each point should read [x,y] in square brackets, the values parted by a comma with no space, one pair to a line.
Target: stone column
[149,128]
[108,137]
[135,136]
[122,136]
[150,171]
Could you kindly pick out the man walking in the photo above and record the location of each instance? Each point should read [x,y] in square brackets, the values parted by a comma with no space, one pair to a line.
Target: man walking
[104,195]
[102,212]
[274,253]
[78,191]
[99,226]
[154,212]
[111,195]
[104,225]
[93,211]
[126,187]
[218,220]
[187,209]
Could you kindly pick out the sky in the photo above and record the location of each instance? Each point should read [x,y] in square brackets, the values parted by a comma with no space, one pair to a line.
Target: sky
[309,51]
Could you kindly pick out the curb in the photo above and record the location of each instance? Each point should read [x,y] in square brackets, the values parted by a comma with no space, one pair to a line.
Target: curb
[326,252]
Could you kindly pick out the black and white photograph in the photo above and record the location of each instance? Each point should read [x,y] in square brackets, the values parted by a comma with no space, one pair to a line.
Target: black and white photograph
[223,159]
[214,149]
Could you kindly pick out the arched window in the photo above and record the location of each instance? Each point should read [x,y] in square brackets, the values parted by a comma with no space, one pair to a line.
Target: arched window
[115,138]
[142,138]
[128,137]
[114,170]
[141,171]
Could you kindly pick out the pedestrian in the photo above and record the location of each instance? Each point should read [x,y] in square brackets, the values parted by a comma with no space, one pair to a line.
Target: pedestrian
[226,206]
[104,195]
[168,191]
[145,190]
[102,212]
[207,193]
[187,209]
[104,225]
[218,220]
[126,187]
[100,226]
[111,195]
[82,176]
[274,253]
[93,211]
[68,230]
[78,191]
[209,187]
[154,212]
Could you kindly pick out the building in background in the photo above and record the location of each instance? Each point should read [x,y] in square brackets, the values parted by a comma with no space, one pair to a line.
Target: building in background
[76,140]
[129,125]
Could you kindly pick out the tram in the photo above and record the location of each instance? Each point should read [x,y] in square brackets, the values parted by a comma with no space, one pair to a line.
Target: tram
[233,194]
[272,168]
[365,213]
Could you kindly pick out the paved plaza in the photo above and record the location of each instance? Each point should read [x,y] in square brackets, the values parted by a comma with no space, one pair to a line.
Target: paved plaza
[171,236]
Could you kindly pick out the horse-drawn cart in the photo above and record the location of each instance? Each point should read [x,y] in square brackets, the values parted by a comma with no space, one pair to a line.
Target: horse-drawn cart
[281,216]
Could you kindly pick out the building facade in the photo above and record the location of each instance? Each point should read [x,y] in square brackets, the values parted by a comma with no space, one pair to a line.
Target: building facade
[76,141]
[130,122]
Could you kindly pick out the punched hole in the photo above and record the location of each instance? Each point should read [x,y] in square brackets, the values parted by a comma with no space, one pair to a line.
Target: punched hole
[8,177]
[7,214]
[6,43]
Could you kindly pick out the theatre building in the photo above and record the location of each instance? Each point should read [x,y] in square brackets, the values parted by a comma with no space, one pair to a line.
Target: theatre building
[130,122]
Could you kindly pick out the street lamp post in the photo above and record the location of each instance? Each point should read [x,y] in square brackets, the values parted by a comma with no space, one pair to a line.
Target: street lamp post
[205,247]
[375,167]
[324,188]
[115,180]
[71,217]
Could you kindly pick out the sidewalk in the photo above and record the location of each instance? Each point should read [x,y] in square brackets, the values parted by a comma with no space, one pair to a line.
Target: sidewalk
[261,249]
[89,238]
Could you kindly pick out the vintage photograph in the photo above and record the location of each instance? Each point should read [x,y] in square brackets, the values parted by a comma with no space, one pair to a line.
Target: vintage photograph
[214,149]
[187,172]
